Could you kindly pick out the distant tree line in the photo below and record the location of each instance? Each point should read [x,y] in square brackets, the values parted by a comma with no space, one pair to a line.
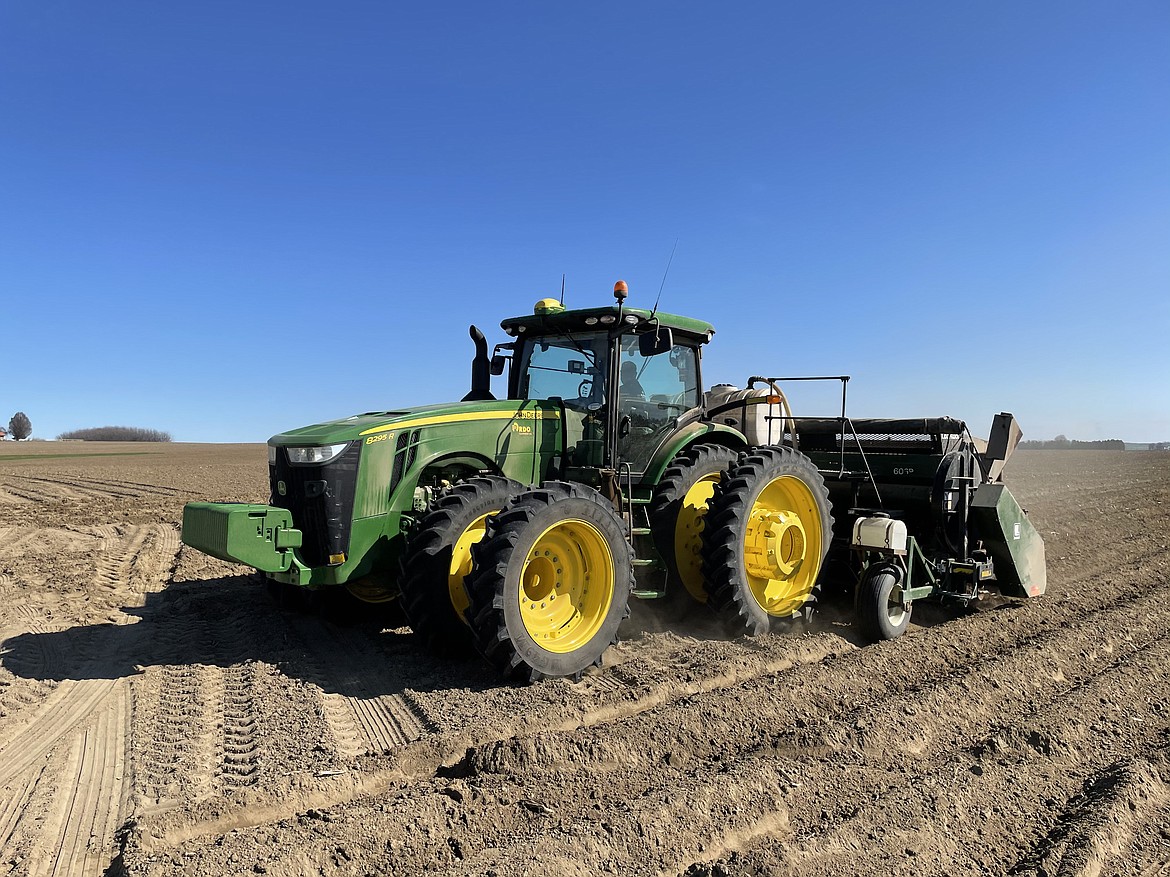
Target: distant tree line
[115,434]
[1062,443]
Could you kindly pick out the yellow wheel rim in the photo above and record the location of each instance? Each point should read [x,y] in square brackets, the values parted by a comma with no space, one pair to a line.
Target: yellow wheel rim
[688,535]
[369,593]
[566,586]
[461,563]
[783,546]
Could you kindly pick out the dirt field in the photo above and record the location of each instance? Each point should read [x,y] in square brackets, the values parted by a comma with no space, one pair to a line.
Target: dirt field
[158,716]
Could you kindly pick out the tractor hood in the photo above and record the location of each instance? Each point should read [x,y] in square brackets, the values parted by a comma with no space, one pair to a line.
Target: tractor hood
[362,426]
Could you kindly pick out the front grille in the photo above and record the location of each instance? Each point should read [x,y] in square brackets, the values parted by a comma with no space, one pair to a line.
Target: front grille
[320,498]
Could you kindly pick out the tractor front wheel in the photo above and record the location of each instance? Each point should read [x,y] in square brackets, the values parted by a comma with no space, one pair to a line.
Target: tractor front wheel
[766,535]
[551,582]
[437,559]
[881,613]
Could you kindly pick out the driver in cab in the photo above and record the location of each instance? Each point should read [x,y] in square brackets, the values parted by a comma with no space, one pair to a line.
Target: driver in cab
[630,386]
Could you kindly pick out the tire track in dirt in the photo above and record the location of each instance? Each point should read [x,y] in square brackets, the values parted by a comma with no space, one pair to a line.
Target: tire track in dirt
[9,498]
[87,717]
[25,541]
[12,809]
[353,679]
[77,488]
[177,726]
[115,488]
[39,492]
[143,562]
[422,759]
[69,705]
[92,804]
[24,675]
[240,746]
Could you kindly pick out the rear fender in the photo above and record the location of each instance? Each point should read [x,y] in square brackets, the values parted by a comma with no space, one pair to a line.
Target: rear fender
[692,433]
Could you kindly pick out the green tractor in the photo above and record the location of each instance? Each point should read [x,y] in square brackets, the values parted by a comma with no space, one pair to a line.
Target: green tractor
[523,525]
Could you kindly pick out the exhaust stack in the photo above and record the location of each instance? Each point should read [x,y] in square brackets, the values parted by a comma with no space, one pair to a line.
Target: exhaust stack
[481,377]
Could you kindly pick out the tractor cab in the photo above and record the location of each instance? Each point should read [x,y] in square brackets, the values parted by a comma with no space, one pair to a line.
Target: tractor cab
[626,379]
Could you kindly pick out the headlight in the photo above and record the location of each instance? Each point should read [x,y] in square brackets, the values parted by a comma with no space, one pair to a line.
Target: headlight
[322,454]
[272,455]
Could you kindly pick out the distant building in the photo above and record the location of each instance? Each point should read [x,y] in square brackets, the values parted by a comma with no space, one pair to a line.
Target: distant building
[3,433]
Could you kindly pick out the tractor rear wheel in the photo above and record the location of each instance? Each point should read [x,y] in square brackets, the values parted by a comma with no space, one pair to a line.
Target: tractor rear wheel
[551,582]
[678,510]
[437,559]
[766,536]
[880,611]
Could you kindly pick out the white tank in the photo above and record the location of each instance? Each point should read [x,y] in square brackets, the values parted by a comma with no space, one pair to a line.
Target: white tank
[752,419]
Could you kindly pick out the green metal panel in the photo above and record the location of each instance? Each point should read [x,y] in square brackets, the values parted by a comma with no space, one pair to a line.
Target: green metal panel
[689,435]
[1012,540]
[374,475]
[241,533]
[521,440]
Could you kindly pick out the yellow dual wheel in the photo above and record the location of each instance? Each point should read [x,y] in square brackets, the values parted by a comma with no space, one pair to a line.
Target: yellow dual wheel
[551,582]
[768,530]
[566,586]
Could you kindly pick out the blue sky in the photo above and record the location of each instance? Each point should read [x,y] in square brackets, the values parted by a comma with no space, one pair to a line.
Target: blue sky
[225,220]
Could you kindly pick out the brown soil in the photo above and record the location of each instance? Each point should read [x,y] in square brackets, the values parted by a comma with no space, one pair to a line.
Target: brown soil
[159,716]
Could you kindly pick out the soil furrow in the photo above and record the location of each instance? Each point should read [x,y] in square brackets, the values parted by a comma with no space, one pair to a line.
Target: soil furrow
[956,783]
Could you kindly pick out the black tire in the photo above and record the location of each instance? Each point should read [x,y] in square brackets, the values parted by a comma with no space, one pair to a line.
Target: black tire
[759,484]
[593,540]
[879,617]
[433,610]
[686,472]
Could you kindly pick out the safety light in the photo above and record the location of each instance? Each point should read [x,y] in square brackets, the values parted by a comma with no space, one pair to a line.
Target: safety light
[322,454]
[620,290]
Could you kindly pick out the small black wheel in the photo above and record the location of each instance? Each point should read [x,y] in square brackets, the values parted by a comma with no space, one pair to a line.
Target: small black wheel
[437,558]
[550,583]
[678,510]
[767,532]
[880,611]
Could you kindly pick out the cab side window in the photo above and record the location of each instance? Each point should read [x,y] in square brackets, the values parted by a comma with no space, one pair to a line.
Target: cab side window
[652,393]
[669,381]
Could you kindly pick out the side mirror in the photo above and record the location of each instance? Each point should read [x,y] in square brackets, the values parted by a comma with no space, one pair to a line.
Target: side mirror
[656,342]
[498,362]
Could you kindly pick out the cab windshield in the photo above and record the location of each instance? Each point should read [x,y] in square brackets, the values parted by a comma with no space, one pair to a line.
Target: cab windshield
[570,368]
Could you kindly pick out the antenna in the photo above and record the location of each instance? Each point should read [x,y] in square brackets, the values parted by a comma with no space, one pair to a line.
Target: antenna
[664,273]
[562,290]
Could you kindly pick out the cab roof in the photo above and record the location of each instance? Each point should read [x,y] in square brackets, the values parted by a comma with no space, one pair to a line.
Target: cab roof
[553,319]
